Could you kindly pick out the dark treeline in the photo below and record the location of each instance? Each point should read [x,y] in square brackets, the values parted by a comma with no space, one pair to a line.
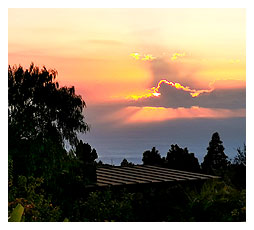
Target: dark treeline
[50,182]
[215,162]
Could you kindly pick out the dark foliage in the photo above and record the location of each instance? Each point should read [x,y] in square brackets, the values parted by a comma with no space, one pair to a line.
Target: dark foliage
[29,192]
[240,158]
[217,201]
[85,153]
[215,161]
[161,204]
[108,206]
[178,158]
[41,117]
[38,106]
[86,162]
[236,173]
[213,201]
[152,157]
[126,163]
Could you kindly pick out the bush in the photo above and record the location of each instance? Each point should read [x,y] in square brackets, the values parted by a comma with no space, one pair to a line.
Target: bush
[218,202]
[108,206]
[29,193]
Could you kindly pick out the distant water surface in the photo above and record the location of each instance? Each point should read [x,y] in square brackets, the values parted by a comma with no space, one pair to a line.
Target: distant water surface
[113,144]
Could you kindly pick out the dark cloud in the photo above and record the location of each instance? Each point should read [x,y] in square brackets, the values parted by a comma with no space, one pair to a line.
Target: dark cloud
[219,98]
[223,98]
[234,97]
[170,97]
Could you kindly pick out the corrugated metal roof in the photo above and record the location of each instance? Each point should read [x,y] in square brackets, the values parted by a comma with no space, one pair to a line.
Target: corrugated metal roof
[143,174]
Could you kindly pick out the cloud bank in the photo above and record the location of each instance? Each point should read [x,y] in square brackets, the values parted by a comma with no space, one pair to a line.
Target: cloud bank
[169,96]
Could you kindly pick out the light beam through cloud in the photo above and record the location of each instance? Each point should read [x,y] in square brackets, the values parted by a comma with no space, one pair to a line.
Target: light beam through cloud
[159,114]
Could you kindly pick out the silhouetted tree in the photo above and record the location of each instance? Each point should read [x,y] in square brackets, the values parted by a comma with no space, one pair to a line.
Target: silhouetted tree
[237,170]
[126,163]
[85,153]
[240,158]
[37,105]
[99,163]
[178,158]
[41,117]
[215,161]
[152,157]
[87,156]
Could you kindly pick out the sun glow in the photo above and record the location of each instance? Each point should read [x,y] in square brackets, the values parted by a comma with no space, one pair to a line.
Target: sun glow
[135,55]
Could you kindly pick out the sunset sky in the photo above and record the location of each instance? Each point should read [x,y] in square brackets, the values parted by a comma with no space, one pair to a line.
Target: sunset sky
[150,77]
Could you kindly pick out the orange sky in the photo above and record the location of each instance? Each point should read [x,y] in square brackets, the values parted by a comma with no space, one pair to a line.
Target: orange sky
[92,49]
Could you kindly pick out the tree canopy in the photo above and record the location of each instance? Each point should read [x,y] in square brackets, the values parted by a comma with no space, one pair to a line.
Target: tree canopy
[152,157]
[125,163]
[178,158]
[237,169]
[215,161]
[240,158]
[42,117]
[38,106]
[85,153]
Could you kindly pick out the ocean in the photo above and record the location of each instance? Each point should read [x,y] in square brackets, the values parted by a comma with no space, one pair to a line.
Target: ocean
[114,143]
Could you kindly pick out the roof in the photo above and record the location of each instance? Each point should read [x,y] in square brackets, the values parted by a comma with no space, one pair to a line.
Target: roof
[144,174]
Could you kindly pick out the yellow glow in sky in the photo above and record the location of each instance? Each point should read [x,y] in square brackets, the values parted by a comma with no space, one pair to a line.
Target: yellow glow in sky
[106,53]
